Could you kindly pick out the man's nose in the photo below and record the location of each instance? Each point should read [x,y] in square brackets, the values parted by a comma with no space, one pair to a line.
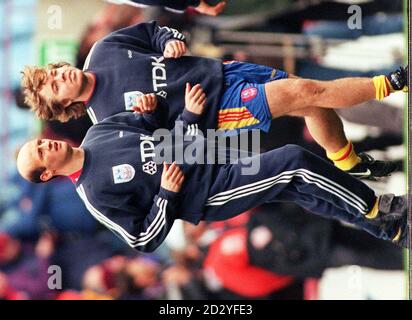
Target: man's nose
[60,76]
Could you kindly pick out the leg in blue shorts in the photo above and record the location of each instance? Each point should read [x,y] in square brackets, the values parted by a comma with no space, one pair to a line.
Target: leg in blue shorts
[255,94]
[244,104]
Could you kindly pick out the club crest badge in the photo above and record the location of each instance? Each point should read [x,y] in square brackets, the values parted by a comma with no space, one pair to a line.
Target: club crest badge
[150,167]
[130,99]
[249,94]
[123,173]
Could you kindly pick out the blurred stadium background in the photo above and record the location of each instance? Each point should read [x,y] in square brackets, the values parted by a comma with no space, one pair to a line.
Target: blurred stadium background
[279,253]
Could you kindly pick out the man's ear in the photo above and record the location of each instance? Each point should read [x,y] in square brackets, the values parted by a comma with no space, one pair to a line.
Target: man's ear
[66,102]
[46,175]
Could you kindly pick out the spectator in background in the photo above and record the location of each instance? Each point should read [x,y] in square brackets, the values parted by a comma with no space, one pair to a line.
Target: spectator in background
[38,208]
[228,270]
[95,284]
[25,266]
[124,279]
[202,272]
[184,283]
[140,279]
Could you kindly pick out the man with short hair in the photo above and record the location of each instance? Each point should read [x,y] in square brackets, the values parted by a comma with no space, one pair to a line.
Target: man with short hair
[147,59]
[117,174]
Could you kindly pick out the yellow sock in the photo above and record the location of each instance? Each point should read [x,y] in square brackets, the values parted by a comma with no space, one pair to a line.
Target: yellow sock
[374,212]
[383,87]
[398,235]
[345,158]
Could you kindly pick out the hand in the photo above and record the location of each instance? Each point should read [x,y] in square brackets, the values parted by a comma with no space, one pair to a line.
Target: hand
[146,103]
[195,99]
[172,177]
[209,10]
[174,49]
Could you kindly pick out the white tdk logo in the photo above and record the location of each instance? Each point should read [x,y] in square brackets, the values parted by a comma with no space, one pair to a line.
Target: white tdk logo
[176,34]
[159,76]
[147,152]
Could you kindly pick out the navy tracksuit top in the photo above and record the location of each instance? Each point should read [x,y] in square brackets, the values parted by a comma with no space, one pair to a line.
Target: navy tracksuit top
[120,183]
[121,178]
[129,62]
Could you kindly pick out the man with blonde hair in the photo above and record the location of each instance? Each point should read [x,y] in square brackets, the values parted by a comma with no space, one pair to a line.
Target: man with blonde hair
[47,108]
[136,67]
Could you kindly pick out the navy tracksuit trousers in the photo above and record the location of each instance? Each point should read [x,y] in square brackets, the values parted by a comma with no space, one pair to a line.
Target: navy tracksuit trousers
[292,174]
